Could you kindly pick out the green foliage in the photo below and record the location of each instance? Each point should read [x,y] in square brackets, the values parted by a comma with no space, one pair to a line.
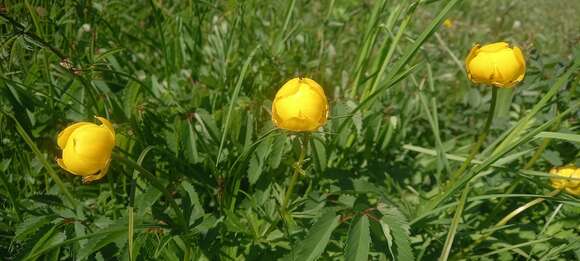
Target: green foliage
[357,245]
[199,172]
[318,236]
[397,232]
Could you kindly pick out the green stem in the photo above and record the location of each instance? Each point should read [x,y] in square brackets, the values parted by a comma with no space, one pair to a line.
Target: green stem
[130,231]
[481,139]
[297,172]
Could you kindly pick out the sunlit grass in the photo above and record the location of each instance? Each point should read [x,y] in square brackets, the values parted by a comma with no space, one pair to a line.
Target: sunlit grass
[199,171]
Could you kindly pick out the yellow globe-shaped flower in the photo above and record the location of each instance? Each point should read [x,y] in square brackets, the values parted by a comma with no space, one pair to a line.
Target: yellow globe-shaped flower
[86,149]
[300,105]
[566,178]
[497,64]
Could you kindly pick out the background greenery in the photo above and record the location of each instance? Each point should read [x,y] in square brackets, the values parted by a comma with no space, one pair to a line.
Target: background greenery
[199,172]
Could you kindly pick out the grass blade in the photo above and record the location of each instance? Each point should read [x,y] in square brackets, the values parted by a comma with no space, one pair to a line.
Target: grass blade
[411,51]
[51,172]
[233,102]
[454,225]
[558,135]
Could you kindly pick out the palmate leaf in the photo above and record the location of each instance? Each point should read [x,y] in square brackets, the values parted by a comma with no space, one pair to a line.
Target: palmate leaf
[314,244]
[358,243]
[396,227]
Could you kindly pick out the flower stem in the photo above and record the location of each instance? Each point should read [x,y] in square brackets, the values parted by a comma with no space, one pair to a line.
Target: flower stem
[481,139]
[297,172]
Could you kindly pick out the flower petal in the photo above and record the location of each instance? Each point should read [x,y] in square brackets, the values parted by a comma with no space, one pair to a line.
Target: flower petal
[65,134]
[107,125]
[79,165]
[99,175]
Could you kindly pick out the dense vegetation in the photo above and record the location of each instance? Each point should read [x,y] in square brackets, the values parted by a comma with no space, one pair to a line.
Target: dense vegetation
[199,172]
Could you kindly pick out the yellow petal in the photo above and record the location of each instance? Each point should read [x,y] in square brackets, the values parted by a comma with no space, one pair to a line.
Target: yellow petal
[472,53]
[100,175]
[575,178]
[79,165]
[61,164]
[64,135]
[289,88]
[507,67]
[93,142]
[300,105]
[520,58]
[481,69]
[314,86]
[574,191]
[295,124]
[107,124]
[494,47]
[570,185]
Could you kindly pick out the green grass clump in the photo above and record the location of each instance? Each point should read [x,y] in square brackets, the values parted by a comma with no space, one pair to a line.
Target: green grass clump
[200,173]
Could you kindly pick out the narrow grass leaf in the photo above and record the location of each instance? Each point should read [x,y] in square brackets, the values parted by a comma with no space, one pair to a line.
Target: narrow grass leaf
[520,126]
[233,99]
[454,225]
[412,50]
[47,166]
[558,135]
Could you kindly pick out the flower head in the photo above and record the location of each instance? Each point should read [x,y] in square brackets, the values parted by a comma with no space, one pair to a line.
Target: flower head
[448,23]
[497,64]
[568,179]
[86,149]
[300,105]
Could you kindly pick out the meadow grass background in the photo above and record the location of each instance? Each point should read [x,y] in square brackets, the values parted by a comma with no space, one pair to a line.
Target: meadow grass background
[199,171]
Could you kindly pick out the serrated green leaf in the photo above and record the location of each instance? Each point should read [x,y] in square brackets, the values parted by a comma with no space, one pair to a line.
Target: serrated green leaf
[396,224]
[278,149]
[319,153]
[258,159]
[31,225]
[197,210]
[144,200]
[314,244]
[358,242]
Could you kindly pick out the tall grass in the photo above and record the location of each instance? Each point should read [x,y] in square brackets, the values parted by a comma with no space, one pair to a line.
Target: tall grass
[200,173]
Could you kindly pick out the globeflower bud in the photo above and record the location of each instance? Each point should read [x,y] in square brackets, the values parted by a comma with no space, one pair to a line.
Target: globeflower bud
[497,64]
[568,179]
[86,149]
[300,105]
